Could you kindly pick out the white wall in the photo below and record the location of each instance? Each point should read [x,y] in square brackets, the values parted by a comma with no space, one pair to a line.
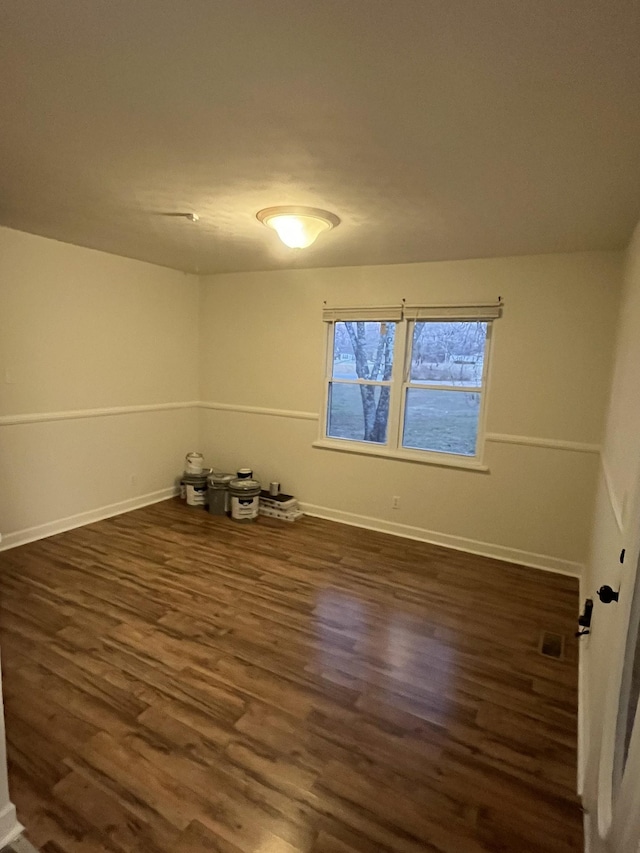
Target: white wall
[81,331]
[116,341]
[616,525]
[262,348]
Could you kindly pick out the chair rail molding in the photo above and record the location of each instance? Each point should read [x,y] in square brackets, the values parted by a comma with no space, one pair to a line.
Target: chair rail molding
[106,411]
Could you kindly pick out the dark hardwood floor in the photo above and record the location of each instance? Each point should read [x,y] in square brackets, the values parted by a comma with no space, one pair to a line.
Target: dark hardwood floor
[179,682]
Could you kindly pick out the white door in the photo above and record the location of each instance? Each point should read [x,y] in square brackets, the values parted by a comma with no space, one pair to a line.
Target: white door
[619,767]
[9,826]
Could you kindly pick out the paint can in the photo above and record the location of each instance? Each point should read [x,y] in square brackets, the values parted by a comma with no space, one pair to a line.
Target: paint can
[194,463]
[195,489]
[274,489]
[218,493]
[245,497]
[244,474]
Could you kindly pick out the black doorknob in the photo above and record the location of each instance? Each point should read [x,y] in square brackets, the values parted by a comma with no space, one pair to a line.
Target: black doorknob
[607,595]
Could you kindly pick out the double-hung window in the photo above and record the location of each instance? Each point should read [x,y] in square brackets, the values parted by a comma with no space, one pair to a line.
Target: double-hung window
[408,381]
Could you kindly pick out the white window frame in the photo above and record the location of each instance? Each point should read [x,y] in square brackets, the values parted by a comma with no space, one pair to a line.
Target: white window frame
[399,385]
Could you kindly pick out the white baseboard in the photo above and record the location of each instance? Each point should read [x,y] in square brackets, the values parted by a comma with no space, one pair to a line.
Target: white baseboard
[22,845]
[458,543]
[446,540]
[586,824]
[31,534]
[592,841]
[10,829]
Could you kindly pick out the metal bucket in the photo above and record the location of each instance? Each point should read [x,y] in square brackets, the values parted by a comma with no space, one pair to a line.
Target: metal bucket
[218,493]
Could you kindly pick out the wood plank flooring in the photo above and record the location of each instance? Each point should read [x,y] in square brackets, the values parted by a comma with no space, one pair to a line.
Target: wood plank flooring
[179,682]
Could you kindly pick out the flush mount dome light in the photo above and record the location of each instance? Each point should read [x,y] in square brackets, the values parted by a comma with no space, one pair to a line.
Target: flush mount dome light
[298,227]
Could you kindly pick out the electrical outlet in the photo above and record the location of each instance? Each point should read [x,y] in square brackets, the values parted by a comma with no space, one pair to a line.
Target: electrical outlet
[395,502]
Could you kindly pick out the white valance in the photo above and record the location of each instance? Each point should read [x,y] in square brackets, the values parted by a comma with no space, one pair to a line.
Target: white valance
[476,311]
[384,314]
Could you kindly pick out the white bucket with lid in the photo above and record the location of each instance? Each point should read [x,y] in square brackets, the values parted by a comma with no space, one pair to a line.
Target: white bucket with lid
[245,497]
[194,463]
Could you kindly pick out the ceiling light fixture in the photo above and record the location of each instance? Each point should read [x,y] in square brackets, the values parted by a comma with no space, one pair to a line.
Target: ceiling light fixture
[298,227]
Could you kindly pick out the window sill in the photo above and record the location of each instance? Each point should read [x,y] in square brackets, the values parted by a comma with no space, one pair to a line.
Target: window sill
[440,460]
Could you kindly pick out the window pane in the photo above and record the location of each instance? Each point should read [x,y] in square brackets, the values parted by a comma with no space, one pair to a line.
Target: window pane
[358,412]
[363,350]
[448,353]
[444,421]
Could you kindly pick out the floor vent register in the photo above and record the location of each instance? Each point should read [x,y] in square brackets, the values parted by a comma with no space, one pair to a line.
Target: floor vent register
[552,645]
